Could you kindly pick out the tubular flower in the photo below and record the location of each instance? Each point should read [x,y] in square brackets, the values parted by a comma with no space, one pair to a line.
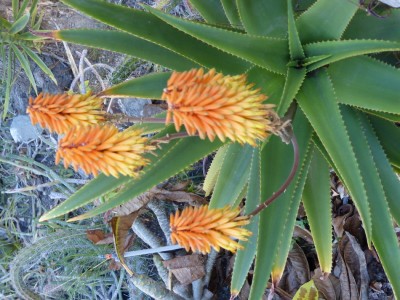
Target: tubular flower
[98,148]
[59,113]
[200,228]
[213,105]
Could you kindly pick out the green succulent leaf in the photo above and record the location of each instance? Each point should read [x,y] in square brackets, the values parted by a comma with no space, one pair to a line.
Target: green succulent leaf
[22,8]
[368,84]
[23,60]
[389,136]
[383,234]
[294,80]
[245,257]
[148,27]
[8,84]
[384,115]
[39,62]
[232,12]
[285,240]
[4,23]
[295,47]
[149,86]
[339,50]
[233,175]
[269,83]
[276,163]
[211,11]
[317,203]
[377,28]
[128,44]
[266,18]
[213,171]
[266,52]
[325,20]
[317,100]
[179,154]
[19,24]
[389,180]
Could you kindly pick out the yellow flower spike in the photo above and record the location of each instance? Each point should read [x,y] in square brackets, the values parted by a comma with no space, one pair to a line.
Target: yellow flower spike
[89,148]
[213,105]
[59,113]
[200,228]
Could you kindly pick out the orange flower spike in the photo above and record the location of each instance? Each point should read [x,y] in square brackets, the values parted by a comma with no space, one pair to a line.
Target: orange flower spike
[61,112]
[213,105]
[99,148]
[200,228]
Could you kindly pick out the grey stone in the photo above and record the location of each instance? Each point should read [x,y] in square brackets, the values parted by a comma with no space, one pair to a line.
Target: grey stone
[133,107]
[22,130]
[151,110]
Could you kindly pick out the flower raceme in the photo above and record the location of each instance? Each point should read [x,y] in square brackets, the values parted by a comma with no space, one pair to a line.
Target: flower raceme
[200,228]
[211,104]
[101,148]
[59,113]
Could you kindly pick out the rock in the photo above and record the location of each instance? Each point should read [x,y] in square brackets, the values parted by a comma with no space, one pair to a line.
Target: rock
[392,3]
[133,107]
[22,130]
[151,110]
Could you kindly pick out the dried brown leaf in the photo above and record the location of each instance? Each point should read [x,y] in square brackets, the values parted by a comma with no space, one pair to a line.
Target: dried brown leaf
[187,268]
[328,288]
[303,233]
[95,235]
[355,260]
[338,222]
[296,271]
[120,227]
[348,284]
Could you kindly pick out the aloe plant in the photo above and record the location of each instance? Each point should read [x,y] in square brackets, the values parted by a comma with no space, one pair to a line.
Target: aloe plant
[317,61]
[17,43]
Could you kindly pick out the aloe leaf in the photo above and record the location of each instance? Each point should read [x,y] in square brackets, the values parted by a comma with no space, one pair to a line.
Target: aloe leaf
[367,83]
[339,50]
[389,136]
[285,239]
[307,291]
[383,234]
[276,162]
[126,43]
[213,171]
[19,24]
[267,18]
[384,115]
[317,203]
[211,11]
[295,47]
[25,65]
[233,175]
[100,185]
[148,27]
[8,84]
[294,80]
[181,154]
[245,257]
[4,23]
[266,52]
[15,7]
[269,83]
[325,19]
[390,181]
[232,13]
[39,62]
[318,101]
[378,28]
[148,86]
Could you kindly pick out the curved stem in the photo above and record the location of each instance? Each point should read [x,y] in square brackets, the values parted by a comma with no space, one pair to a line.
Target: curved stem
[271,199]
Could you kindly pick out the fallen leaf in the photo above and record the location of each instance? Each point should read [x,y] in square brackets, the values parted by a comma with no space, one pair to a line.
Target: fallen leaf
[108,239]
[296,271]
[187,268]
[120,227]
[307,291]
[328,288]
[355,261]
[95,235]
[303,233]
[348,284]
[338,222]
[353,225]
